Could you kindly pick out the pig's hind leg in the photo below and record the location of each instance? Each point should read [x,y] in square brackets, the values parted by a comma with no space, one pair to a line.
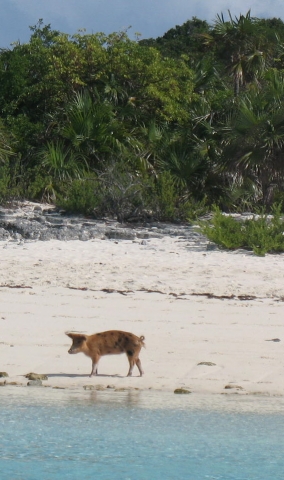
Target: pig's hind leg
[130,356]
[139,366]
[133,359]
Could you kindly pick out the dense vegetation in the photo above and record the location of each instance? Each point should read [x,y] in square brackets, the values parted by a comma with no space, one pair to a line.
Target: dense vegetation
[159,128]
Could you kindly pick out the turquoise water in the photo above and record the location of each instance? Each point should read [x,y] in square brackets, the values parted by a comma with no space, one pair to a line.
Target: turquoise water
[52,434]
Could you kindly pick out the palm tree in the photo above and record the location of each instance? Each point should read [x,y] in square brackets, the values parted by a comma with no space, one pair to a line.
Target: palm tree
[62,163]
[93,130]
[254,137]
[244,48]
[152,140]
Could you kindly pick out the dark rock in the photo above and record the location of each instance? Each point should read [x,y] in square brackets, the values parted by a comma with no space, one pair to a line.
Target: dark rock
[211,247]
[56,221]
[3,374]
[36,376]
[120,234]
[182,391]
[142,235]
[209,364]
[38,209]
[4,234]
[84,236]
[32,222]
[238,387]
[34,383]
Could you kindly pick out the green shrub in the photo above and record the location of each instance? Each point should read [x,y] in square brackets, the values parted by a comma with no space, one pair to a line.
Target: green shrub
[260,234]
[4,182]
[193,209]
[80,197]
[39,186]
[168,202]
[224,231]
[126,196]
[120,192]
[10,186]
[166,198]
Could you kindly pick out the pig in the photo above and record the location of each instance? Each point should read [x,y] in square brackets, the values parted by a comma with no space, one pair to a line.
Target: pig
[111,342]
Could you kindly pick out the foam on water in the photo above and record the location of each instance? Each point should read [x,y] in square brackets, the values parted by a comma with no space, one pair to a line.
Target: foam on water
[49,434]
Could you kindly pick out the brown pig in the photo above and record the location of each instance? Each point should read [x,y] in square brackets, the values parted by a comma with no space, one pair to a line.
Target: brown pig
[112,342]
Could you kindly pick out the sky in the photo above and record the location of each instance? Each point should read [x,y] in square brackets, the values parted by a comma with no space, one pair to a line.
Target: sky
[150,18]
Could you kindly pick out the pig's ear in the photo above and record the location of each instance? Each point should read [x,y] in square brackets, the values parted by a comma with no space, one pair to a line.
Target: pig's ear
[77,336]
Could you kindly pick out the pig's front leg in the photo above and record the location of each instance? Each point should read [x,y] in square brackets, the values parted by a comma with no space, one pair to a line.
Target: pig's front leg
[94,369]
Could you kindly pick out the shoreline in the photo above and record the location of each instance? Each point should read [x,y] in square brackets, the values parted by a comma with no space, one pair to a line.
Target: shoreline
[145,399]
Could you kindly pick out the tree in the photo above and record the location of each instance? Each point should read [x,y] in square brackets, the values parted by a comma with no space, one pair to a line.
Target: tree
[255,137]
[181,40]
[92,129]
[240,44]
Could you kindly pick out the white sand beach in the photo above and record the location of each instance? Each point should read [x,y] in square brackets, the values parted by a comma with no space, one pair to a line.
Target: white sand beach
[159,288]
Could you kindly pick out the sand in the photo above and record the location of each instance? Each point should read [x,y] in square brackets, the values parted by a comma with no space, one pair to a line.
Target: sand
[209,317]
